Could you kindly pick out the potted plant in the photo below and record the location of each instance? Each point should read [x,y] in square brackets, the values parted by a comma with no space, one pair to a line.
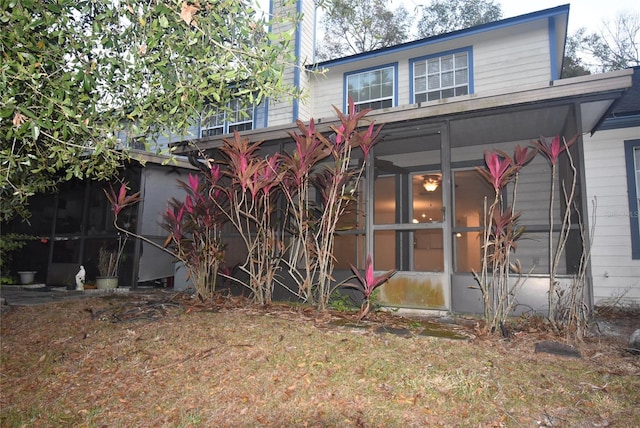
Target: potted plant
[108,264]
[27,277]
[10,243]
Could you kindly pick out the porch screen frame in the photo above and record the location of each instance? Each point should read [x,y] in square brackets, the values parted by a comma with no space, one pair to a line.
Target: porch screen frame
[631,151]
[443,129]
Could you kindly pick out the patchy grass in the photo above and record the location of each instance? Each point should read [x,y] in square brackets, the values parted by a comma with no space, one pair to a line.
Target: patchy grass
[69,364]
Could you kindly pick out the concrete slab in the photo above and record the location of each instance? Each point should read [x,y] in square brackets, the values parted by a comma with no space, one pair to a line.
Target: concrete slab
[39,294]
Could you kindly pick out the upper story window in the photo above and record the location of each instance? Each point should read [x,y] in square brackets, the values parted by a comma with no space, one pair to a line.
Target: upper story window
[374,89]
[237,117]
[441,76]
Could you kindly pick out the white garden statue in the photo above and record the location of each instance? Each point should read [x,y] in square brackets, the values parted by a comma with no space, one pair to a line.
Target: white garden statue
[80,277]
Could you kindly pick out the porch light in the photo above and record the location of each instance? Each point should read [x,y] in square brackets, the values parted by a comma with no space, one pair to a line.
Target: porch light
[430,183]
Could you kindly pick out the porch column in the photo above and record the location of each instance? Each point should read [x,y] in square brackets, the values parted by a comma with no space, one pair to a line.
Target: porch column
[447,209]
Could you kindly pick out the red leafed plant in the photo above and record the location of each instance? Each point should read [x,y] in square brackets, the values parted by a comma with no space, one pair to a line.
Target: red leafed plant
[251,207]
[194,227]
[299,226]
[553,147]
[500,236]
[314,221]
[368,283]
[120,200]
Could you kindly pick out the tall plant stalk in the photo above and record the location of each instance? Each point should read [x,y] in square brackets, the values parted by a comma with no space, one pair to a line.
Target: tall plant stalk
[251,195]
[335,203]
[333,181]
[247,199]
[337,185]
[552,148]
[572,312]
[310,148]
[499,238]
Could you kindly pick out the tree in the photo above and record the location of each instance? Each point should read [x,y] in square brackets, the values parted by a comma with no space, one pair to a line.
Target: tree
[444,16]
[615,47]
[355,26]
[75,75]
[573,65]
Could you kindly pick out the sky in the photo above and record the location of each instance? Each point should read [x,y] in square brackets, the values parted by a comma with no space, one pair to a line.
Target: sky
[582,13]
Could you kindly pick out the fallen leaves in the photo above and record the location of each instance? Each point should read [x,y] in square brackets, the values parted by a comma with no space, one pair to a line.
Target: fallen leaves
[188,13]
[19,119]
[244,365]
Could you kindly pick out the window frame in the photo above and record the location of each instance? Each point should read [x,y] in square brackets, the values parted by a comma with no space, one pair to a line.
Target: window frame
[633,192]
[228,114]
[394,80]
[412,75]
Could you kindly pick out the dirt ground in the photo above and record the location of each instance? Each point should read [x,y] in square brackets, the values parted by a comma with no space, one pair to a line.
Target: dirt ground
[162,359]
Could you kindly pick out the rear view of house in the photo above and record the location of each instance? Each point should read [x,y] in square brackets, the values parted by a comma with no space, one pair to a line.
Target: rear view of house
[445,100]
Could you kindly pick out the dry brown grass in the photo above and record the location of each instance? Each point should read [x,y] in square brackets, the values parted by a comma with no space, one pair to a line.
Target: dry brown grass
[68,364]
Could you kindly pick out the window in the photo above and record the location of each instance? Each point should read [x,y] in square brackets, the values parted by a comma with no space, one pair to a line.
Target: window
[373,89]
[632,155]
[238,116]
[442,76]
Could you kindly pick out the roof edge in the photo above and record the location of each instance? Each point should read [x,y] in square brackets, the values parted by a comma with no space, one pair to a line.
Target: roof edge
[520,19]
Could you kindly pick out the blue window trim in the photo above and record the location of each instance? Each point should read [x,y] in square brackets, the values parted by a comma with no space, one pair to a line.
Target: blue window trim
[266,112]
[412,61]
[345,89]
[296,71]
[632,190]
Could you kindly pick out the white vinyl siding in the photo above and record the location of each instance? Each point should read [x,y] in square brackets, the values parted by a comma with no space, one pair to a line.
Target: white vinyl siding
[615,274]
[634,209]
[507,60]
[503,60]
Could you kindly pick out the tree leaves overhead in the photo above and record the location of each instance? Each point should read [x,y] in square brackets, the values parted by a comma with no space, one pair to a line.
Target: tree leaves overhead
[75,74]
[444,16]
[355,26]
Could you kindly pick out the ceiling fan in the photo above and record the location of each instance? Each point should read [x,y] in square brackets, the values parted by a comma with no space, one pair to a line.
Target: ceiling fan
[431,182]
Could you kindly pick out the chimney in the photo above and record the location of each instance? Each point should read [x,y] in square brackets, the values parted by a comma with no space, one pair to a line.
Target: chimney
[287,112]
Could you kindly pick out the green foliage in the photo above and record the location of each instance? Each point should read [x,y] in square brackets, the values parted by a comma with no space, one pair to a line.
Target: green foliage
[341,302]
[444,16]
[10,242]
[355,26]
[75,76]
[573,64]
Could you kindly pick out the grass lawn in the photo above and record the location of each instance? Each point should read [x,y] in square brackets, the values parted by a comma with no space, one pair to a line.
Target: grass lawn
[143,361]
